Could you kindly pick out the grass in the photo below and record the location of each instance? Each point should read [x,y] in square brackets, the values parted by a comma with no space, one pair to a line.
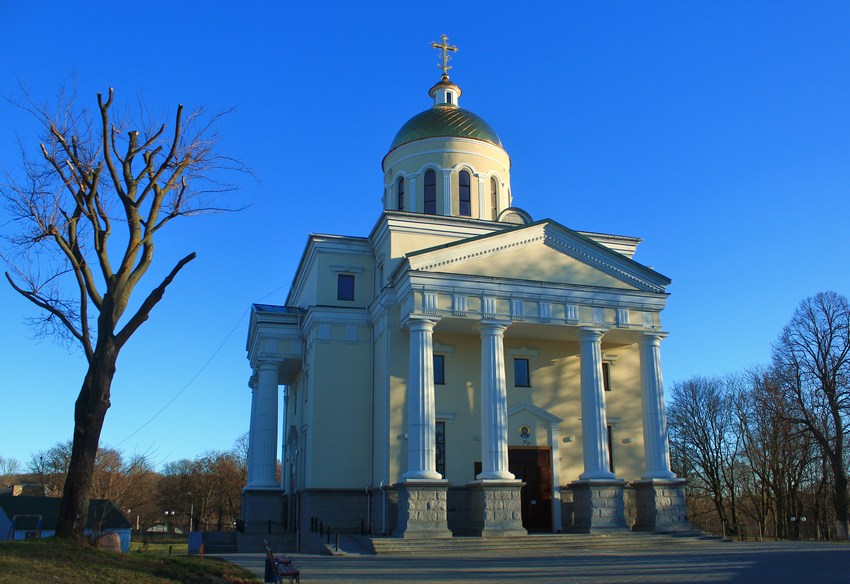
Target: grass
[181,548]
[62,562]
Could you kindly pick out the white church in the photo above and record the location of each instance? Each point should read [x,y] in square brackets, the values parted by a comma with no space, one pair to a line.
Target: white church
[463,369]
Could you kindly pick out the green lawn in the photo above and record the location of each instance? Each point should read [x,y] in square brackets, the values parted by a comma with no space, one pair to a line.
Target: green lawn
[54,560]
[181,548]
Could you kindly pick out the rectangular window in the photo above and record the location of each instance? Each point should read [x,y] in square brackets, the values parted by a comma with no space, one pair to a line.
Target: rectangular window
[521,375]
[345,287]
[606,376]
[611,448]
[440,442]
[439,370]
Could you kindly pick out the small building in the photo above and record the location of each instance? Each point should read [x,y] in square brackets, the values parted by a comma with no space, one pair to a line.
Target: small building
[28,517]
[465,369]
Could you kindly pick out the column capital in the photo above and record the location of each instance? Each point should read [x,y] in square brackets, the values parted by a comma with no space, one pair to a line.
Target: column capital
[493,326]
[252,381]
[420,323]
[266,364]
[652,337]
[591,332]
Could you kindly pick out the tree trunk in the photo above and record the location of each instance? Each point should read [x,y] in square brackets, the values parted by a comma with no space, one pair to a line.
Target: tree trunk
[89,413]
[840,502]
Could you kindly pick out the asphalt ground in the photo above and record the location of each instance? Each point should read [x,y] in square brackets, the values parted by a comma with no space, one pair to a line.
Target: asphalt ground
[674,562]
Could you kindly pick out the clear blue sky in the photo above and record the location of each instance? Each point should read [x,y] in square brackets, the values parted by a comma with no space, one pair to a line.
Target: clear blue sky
[719,132]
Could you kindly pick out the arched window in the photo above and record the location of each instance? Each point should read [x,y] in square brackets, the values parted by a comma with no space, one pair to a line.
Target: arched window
[464,197]
[400,193]
[494,198]
[431,192]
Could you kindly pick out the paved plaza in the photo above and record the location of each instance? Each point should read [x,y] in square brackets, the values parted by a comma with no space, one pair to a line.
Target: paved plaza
[686,562]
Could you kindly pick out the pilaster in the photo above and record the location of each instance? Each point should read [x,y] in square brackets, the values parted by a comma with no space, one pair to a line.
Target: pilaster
[447,192]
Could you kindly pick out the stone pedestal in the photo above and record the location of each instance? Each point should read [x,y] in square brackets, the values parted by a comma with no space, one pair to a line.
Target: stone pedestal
[496,508]
[660,505]
[598,506]
[262,510]
[422,509]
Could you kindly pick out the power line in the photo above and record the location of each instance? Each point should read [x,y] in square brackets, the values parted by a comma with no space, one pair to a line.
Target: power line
[201,370]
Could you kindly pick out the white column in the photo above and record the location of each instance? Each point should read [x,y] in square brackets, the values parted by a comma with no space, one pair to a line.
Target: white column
[413,206]
[421,441]
[252,385]
[594,430]
[262,449]
[494,404]
[483,198]
[655,446]
[447,193]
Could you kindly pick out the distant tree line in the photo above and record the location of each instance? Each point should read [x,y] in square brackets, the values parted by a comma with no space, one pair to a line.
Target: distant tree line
[202,493]
[764,451]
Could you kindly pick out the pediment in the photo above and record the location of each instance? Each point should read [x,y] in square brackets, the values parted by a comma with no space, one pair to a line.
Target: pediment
[545,252]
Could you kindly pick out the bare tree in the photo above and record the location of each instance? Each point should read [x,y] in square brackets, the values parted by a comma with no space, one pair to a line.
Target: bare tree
[209,486]
[89,209]
[778,453]
[10,468]
[702,434]
[811,360]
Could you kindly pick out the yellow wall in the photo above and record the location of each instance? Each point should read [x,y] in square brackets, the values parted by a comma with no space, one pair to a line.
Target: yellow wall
[555,380]
[341,385]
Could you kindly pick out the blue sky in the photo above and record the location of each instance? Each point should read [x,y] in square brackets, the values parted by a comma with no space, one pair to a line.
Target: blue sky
[717,132]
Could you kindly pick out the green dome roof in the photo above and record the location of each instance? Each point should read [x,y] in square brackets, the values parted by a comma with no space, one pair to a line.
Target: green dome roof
[445,121]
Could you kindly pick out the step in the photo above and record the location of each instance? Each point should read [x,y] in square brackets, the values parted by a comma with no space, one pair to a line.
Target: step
[553,543]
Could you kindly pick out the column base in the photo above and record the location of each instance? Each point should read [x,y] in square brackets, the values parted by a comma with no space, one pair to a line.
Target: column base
[422,509]
[660,505]
[496,508]
[598,506]
[262,510]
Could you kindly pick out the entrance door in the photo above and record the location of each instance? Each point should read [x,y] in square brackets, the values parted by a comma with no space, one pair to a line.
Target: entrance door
[533,466]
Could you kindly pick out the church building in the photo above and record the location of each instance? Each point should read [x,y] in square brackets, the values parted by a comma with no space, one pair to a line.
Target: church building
[463,369]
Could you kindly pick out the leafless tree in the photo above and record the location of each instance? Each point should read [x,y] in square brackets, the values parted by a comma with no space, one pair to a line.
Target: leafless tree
[778,453]
[89,208]
[811,360]
[9,470]
[702,433]
[209,486]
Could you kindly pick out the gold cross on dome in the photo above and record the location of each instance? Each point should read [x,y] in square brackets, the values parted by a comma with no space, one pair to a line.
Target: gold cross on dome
[445,47]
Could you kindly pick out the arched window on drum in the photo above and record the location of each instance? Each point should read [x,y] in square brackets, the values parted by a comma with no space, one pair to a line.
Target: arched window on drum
[464,194]
[399,192]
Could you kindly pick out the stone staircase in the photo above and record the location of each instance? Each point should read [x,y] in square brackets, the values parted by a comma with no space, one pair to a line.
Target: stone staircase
[542,544]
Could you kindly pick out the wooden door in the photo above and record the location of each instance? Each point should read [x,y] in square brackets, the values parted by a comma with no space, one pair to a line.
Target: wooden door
[533,466]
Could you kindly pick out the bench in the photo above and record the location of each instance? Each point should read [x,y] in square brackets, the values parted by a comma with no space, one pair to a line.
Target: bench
[280,567]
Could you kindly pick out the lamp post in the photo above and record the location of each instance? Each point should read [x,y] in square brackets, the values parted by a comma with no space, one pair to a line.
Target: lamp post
[168,514]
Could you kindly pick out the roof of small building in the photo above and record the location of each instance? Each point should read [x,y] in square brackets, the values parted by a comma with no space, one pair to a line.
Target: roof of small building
[445,120]
[103,514]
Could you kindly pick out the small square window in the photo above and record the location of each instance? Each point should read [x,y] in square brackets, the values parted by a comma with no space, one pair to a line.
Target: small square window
[439,370]
[606,376]
[345,287]
[521,376]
